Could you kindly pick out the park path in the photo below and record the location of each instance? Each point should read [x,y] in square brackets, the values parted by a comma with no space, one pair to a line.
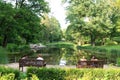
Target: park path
[16,66]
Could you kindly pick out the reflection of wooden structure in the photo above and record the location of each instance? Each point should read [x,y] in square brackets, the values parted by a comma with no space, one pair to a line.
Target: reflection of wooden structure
[31,62]
[90,64]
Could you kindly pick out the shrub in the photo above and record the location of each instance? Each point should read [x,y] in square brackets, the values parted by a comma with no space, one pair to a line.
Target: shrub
[111,43]
[102,50]
[3,56]
[74,74]
[10,76]
[117,39]
[12,47]
[47,74]
[118,62]
[6,70]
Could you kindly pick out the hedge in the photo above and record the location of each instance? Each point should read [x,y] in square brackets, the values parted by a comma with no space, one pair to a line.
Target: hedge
[9,71]
[74,74]
[47,74]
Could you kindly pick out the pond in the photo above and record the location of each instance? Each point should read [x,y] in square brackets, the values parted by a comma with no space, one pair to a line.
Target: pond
[54,55]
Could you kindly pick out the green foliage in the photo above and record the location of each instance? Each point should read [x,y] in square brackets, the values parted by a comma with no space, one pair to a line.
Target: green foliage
[118,61]
[36,6]
[111,43]
[12,47]
[21,49]
[24,49]
[23,76]
[34,73]
[9,72]
[75,74]
[22,24]
[117,39]
[97,20]
[9,76]
[111,53]
[47,73]
[7,22]
[61,45]
[34,77]
[52,31]
[3,56]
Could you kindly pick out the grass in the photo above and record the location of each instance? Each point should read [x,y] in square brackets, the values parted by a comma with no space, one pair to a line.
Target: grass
[107,47]
[110,47]
[117,47]
[61,45]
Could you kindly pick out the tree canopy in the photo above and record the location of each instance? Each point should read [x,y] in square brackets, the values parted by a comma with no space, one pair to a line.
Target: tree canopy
[53,32]
[20,22]
[92,18]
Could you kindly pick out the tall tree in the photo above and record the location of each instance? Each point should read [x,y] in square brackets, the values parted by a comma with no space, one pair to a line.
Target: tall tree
[115,19]
[91,17]
[7,22]
[36,6]
[21,21]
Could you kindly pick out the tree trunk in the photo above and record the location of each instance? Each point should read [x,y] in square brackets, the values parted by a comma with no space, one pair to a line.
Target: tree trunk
[92,40]
[21,3]
[16,3]
[4,43]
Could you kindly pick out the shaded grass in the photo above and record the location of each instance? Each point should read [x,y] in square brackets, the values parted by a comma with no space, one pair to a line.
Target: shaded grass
[117,47]
[98,48]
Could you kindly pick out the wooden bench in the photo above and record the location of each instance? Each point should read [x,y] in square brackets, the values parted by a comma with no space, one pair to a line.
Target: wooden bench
[90,64]
[31,62]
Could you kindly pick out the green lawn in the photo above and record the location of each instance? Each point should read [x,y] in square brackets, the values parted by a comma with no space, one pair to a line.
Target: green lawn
[117,47]
[108,47]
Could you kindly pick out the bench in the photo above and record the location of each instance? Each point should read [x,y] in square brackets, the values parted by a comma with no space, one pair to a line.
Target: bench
[90,64]
[31,62]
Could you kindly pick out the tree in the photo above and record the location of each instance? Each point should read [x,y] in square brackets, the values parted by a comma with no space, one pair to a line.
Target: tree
[36,6]
[23,21]
[53,32]
[7,22]
[91,18]
[115,31]
[75,37]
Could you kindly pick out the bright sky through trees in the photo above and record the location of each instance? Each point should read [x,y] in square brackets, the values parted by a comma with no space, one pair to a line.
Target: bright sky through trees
[58,11]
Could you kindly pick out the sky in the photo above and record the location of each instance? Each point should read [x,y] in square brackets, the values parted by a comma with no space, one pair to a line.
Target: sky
[58,11]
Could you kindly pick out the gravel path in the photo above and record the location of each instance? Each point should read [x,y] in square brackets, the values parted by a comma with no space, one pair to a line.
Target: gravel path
[16,66]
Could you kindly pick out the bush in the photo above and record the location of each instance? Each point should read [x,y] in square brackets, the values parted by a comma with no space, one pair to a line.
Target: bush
[118,62]
[74,74]
[12,47]
[102,50]
[3,56]
[47,74]
[6,71]
[111,43]
[117,39]
[9,76]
